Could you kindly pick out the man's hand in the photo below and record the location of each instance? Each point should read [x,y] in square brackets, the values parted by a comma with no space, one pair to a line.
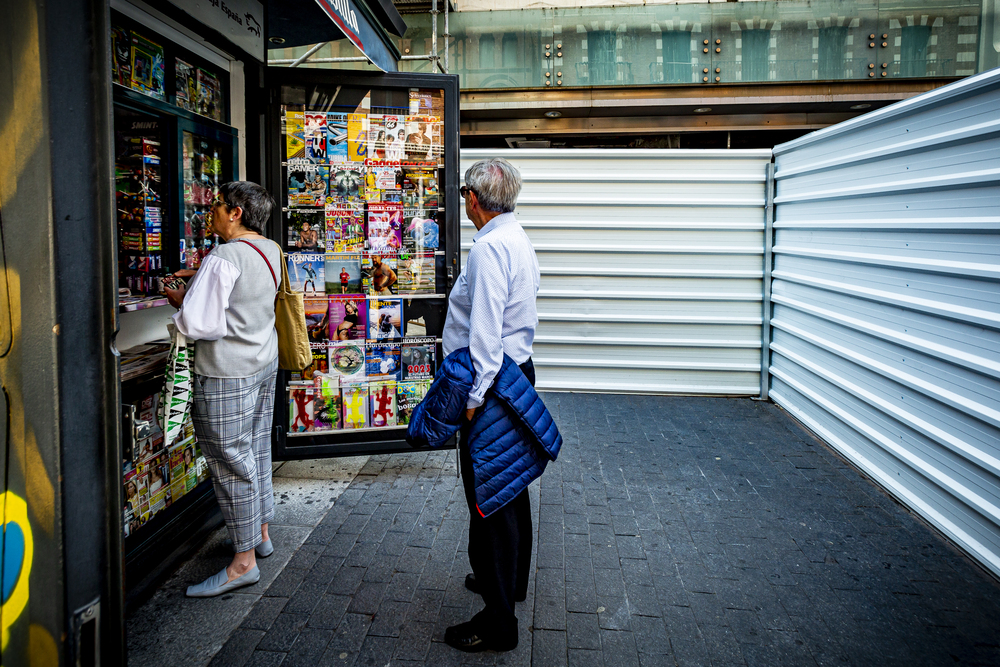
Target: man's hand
[469,414]
[175,296]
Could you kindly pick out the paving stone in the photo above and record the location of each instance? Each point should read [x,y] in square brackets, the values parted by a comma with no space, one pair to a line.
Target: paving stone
[309,647]
[705,530]
[238,648]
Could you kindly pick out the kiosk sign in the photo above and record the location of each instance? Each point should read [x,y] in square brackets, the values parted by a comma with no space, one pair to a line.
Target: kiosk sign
[240,21]
[360,31]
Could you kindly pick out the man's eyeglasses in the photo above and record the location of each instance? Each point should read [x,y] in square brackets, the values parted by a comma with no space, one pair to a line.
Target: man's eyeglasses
[465,190]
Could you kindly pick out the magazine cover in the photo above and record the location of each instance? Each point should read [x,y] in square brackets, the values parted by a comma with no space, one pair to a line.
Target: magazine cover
[347,361]
[385,227]
[320,362]
[327,411]
[306,230]
[416,273]
[420,233]
[345,229]
[376,137]
[187,84]
[385,319]
[348,317]
[336,136]
[347,183]
[383,181]
[420,186]
[147,67]
[420,131]
[378,275]
[209,95]
[307,184]
[306,272]
[300,407]
[121,62]
[343,273]
[355,402]
[382,361]
[382,396]
[357,137]
[317,319]
[417,359]
[395,138]
[295,144]
[315,136]
[408,396]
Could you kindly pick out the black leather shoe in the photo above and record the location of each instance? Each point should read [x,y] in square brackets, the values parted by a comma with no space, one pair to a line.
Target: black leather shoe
[465,638]
[473,585]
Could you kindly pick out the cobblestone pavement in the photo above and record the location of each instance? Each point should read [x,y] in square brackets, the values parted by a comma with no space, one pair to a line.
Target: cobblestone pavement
[672,531]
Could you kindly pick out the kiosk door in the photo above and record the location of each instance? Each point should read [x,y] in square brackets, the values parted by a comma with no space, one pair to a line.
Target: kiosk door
[364,168]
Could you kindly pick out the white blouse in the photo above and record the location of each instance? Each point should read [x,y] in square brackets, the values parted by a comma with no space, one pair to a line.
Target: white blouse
[203,314]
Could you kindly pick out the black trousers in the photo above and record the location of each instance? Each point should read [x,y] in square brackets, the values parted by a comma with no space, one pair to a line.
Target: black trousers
[499,550]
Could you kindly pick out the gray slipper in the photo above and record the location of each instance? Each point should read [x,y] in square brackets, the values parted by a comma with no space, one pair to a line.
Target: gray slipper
[217,584]
[264,549]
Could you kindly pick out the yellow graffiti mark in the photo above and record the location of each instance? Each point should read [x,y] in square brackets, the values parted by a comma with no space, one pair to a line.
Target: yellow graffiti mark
[21,131]
[38,487]
[16,511]
[42,651]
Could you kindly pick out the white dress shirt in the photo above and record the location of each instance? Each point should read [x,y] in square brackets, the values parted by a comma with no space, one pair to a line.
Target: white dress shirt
[491,309]
[203,314]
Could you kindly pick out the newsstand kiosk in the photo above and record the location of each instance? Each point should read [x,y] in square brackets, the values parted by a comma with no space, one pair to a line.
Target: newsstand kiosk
[119,123]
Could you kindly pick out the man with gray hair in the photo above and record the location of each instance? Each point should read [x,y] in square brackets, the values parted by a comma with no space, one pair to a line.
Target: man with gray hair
[492,311]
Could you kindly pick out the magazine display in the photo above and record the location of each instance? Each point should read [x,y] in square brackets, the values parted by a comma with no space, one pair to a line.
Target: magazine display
[348,317]
[382,397]
[355,402]
[385,227]
[416,273]
[385,319]
[327,409]
[307,184]
[186,85]
[317,319]
[378,274]
[209,102]
[408,396]
[345,229]
[382,361]
[363,217]
[306,230]
[306,272]
[147,67]
[417,359]
[301,417]
[343,273]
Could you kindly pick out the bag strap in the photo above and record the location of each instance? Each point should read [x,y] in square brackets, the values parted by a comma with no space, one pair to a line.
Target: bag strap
[266,261]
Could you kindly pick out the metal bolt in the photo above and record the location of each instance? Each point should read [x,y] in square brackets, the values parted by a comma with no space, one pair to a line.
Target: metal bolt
[885,44]
[705,70]
[558,73]
[705,42]
[885,36]
[883,73]
[871,45]
[705,79]
[871,36]
[717,79]
[559,82]
[884,65]
[558,46]
[871,65]
[549,46]
[705,50]
[718,69]
[871,73]
[718,41]
[559,54]
[548,54]
[549,83]
[717,50]
[548,74]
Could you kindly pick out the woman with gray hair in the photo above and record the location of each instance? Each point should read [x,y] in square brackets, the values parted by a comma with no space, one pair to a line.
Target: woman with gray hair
[229,311]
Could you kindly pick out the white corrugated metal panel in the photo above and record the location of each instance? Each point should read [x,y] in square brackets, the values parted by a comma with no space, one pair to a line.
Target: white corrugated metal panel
[651,261]
[886,320]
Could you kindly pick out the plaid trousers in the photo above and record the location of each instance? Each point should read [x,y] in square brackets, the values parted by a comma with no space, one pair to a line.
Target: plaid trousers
[232,419]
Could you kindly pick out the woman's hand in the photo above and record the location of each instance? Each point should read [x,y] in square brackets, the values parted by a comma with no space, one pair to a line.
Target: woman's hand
[176,296]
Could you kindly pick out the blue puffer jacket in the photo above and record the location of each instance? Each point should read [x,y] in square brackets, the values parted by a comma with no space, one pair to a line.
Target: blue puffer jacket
[511,439]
